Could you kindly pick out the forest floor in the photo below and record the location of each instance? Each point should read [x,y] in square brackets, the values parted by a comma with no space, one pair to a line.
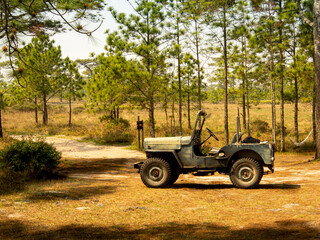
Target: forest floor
[102,197]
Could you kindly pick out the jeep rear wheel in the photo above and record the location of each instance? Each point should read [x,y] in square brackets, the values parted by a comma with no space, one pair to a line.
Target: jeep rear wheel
[156,173]
[246,173]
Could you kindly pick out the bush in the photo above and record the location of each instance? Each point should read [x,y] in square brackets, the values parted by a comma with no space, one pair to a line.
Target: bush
[260,126]
[34,159]
[115,131]
[114,122]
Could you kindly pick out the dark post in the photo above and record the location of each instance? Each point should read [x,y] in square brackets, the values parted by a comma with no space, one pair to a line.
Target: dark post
[140,127]
[138,131]
[142,138]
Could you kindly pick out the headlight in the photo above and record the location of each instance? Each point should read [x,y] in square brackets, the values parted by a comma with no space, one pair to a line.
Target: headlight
[221,154]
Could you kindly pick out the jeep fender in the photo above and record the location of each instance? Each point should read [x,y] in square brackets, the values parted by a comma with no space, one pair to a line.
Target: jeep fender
[245,153]
[170,155]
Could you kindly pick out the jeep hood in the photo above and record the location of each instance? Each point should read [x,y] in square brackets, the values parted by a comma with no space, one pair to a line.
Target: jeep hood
[165,143]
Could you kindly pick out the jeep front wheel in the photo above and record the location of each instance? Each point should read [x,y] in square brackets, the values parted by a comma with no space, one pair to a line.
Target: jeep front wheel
[246,173]
[156,173]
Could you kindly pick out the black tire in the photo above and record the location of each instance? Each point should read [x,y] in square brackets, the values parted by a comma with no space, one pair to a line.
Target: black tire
[156,173]
[246,173]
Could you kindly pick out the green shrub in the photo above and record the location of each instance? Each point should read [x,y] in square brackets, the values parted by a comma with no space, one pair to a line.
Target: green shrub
[115,131]
[114,122]
[35,159]
[260,126]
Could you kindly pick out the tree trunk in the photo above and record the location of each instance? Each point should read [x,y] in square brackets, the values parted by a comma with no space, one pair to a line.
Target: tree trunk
[36,110]
[296,101]
[1,132]
[296,98]
[273,112]
[45,110]
[188,104]
[70,111]
[273,88]
[296,94]
[314,127]
[179,77]
[166,113]
[247,92]
[173,120]
[198,65]
[244,86]
[180,96]
[151,118]
[244,122]
[282,130]
[225,57]
[316,37]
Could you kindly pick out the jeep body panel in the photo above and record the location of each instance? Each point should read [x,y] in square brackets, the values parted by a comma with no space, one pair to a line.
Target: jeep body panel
[172,154]
[186,157]
[163,143]
[264,150]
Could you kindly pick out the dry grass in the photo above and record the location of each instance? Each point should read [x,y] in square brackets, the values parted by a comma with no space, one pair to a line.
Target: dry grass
[88,125]
[119,206]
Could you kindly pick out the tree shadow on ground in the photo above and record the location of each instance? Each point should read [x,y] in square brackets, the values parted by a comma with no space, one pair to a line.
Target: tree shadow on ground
[97,165]
[229,186]
[289,229]
[72,193]
[15,183]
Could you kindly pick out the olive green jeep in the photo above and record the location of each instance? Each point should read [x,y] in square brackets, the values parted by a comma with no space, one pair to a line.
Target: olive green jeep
[168,157]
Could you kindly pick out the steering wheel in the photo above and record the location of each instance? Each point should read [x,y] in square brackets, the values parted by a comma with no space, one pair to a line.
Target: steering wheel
[212,134]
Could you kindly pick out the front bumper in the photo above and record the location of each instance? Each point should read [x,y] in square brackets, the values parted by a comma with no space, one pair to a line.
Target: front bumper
[137,166]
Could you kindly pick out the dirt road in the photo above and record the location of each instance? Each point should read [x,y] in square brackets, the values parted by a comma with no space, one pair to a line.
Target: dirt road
[290,169]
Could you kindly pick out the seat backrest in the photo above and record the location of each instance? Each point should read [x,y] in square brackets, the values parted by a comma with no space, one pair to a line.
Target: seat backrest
[234,139]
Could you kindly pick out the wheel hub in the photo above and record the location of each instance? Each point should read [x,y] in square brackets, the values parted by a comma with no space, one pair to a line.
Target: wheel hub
[246,174]
[155,173]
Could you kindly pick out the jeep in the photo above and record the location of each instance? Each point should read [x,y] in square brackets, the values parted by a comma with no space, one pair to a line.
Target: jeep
[168,157]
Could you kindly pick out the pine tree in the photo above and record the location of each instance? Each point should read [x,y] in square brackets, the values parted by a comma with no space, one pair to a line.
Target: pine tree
[175,13]
[39,72]
[36,16]
[188,71]
[142,36]
[108,88]
[73,84]
[221,23]
[265,43]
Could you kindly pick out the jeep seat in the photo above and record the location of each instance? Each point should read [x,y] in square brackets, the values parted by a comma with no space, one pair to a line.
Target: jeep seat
[234,139]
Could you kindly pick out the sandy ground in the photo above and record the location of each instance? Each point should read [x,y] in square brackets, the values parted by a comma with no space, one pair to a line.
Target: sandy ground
[73,148]
[289,170]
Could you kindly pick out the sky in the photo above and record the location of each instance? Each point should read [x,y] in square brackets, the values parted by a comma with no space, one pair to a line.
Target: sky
[79,46]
